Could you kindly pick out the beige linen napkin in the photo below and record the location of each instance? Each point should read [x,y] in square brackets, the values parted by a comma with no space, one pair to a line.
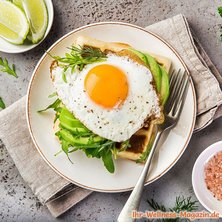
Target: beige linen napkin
[47,185]
[207,80]
[57,193]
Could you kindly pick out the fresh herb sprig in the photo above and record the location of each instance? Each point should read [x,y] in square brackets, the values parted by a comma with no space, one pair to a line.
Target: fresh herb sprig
[220,10]
[181,204]
[52,95]
[6,68]
[2,104]
[54,105]
[220,13]
[104,149]
[79,57]
[146,153]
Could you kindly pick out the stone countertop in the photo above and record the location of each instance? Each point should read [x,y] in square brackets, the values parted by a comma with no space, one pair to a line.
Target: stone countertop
[17,202]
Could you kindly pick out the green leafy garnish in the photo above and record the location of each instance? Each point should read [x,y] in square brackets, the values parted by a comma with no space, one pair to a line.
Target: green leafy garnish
[146,153]
[2,104]
[64,77]
[54,105]
[107,158]
[52,95]
[220,10]
[6,68]
[74,136]
[181,204]
[220,13]
[79,57]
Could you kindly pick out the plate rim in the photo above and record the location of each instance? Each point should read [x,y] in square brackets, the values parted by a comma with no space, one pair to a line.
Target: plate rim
[30,89]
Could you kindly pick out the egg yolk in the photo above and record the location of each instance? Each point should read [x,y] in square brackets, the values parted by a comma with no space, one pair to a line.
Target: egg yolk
[106,85]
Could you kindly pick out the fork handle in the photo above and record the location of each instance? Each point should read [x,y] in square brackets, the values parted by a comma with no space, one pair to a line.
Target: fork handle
[133,201]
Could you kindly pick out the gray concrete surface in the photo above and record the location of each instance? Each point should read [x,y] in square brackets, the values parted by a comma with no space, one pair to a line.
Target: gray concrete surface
[17,202]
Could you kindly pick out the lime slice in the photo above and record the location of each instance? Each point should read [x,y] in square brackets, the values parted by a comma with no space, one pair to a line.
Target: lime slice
[14,26]
[18,3]
[37,15]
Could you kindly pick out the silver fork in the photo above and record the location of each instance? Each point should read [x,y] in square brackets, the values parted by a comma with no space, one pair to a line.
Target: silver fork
[178,90]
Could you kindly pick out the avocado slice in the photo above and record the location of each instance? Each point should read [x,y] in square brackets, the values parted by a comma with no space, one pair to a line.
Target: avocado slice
[139,54]
[155,70]
[152,64]
[66,118]
[67,136]
[73,129]
[165,85]
[160,75]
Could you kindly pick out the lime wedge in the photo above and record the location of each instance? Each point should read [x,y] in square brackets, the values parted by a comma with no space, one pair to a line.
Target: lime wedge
[14,26]
[18,3]
[37,15]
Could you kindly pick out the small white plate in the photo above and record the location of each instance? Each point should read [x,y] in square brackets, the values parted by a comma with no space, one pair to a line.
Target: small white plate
[90,172]
[205,197]
[11,48]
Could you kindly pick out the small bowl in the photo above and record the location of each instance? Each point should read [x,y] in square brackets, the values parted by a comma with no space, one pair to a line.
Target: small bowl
[11,48]
[204,195]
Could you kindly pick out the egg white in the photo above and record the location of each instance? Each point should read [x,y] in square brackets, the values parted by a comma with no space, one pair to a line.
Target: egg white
[117,124]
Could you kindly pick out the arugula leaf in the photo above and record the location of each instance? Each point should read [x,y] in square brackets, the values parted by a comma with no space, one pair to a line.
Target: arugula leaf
[64,77]
[65,147]
[220,10]
[52,95]
[6,68]
[107,158]
[54,105]
[2,104]
[88,142]
[146,153]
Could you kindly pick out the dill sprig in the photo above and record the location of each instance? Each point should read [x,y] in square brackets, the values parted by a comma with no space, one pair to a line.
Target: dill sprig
[79,57]
[181,204]
[185,204]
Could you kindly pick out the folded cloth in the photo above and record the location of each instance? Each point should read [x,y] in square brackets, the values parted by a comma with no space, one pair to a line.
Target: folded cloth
[207,80]
[50,188]
[57,193]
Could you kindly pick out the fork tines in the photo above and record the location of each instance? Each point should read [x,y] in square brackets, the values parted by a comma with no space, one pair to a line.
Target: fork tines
[178,87]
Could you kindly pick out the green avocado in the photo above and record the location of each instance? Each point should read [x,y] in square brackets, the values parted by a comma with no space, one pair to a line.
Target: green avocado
[160,75]
[68,137]
[73,129]
[155,70]
[165,86]
[140,55]
[66,118]
[152,64]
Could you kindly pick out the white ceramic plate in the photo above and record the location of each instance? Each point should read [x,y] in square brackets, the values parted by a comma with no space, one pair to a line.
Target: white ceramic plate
[203,194]
[90,173]
[11,48]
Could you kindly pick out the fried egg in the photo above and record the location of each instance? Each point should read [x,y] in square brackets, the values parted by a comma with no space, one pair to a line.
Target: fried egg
[112,98]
